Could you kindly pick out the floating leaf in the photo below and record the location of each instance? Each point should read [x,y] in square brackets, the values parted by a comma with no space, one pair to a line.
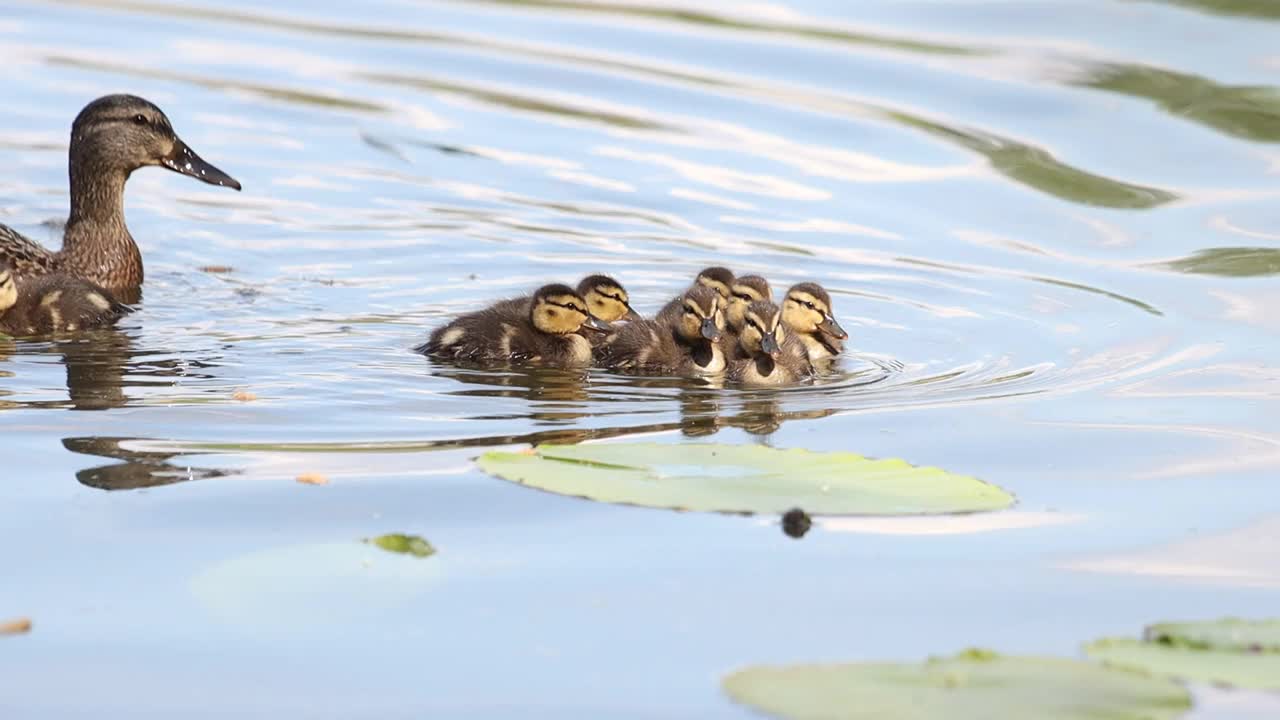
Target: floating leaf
[408,544]
[1232,634]
[1230,652]
[743,479]
[974,685]
[314,586]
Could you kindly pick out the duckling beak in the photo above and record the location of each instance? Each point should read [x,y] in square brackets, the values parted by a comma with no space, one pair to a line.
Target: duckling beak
[632,315]
[769,344]
[709,329]
[829,326]
[595,323]
[185,160]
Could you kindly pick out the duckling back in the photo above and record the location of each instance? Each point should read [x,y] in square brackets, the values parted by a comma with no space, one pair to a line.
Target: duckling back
[44,304]
[682,342]
[541,330]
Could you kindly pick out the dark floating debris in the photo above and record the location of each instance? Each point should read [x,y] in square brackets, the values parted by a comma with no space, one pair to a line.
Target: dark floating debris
[796,523]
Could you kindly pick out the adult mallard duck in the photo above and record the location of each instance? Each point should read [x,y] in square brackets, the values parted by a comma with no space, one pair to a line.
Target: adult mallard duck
[543,331]
[110,138]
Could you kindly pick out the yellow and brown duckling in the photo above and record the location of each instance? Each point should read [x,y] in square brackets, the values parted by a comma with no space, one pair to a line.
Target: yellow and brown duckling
[807,313]
[607,299]
[47,304]
[110,138]
[770,353]
[744,291]
[542,331]
[680,343]
[717,278]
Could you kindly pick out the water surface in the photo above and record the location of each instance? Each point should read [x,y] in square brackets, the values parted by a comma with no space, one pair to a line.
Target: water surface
[1051,228]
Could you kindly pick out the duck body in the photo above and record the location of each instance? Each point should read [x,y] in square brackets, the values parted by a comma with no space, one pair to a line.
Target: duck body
[54,303]
[540,330]
[681,343]
[769,353]
[110,138]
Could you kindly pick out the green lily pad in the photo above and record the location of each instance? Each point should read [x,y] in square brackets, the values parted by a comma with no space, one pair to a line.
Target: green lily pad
[743,479]
[1228,652]
[1233,634]
[405,544]
[974,685]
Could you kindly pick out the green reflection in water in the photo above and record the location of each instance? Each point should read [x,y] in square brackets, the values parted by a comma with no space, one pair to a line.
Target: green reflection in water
[1038,169]
[1230,262]
[1268,9]
[1242,111]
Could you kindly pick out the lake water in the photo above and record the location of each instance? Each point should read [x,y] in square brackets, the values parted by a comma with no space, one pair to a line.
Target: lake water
[1051,228]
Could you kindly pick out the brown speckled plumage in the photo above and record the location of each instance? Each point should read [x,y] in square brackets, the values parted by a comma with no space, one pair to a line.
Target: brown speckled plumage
[53,303]
[110,138]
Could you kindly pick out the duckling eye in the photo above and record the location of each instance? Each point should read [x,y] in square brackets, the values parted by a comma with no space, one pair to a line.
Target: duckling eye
[140,119]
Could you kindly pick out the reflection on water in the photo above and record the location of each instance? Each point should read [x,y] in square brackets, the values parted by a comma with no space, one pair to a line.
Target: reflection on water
[137,469]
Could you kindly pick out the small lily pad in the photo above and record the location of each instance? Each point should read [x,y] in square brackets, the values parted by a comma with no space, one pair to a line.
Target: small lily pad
[743,479]
[974,685]
[1233,652]
[406,544]
[1226,634]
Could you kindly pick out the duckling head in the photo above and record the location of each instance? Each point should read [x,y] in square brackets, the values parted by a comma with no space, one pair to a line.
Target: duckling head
[558,310]
[117,134]
[719,279]
[701,315]
[8,289]
[746,290]
[606,298]
[762,329]
[807,310]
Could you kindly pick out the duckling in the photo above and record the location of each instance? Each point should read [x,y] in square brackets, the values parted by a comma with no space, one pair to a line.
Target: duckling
[771,354]
[679,344]
[717,278]
[807,313]
[543,331]
[56,303]
[110,138]
[607,299]
[745,290]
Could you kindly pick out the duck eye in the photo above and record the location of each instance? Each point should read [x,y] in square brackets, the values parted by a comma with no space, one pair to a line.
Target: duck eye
[139,119]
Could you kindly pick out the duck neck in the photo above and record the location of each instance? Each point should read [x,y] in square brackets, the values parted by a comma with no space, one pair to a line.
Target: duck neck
[97,245]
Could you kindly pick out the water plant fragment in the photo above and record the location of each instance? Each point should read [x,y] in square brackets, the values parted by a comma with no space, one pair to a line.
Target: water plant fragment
[404,544]
[1241,653]
[743,479]
[974,685]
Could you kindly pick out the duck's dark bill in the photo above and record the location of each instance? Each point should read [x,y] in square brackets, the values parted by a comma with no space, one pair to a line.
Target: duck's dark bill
[769,345]
[709,329]
[632,315]
[184,160]
[595,323]
[832,328]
